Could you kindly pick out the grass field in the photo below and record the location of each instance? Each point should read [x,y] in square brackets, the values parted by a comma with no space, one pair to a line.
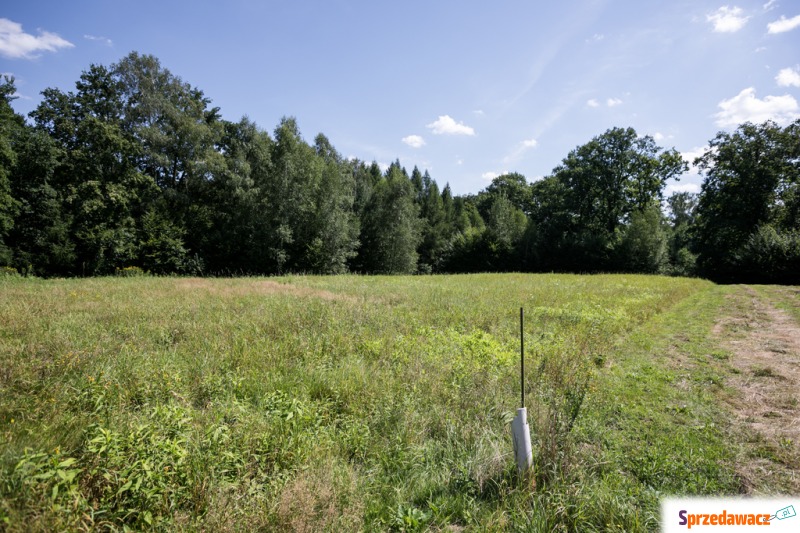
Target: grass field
[364,403]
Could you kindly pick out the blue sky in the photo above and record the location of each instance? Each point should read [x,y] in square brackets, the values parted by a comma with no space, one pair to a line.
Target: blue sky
[465,89]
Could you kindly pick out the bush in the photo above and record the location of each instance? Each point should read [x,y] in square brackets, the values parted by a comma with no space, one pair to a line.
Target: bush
[8,271]
[770,256]
[130,272]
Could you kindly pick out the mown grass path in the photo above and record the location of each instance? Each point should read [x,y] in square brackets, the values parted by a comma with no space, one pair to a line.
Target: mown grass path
[762,332]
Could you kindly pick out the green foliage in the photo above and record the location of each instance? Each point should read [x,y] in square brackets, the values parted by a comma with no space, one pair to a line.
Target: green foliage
[139,477]
[10,124]
[581,210]
[643,244]
[751,181]
[130,272]
[682,208]
[136,167]
[770,256]
[390,230]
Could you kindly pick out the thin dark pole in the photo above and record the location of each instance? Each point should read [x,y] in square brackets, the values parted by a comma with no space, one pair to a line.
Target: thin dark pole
[522,354]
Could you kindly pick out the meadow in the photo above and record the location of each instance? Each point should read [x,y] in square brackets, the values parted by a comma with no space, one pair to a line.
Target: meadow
[350,403]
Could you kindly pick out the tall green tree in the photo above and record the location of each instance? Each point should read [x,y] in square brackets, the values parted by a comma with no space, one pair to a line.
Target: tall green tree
[103,191]
[41,238]
[751,180]
[10,123]
[436,228]
[513,187]
[593,194]
[682,208]
[335,226]
[390,228]
[643,243]
[234,197]
[178,133]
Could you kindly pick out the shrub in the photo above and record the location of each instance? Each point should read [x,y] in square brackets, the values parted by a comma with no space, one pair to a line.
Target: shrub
[130,272]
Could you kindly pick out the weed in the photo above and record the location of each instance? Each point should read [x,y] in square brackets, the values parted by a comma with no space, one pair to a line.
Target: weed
[765,372]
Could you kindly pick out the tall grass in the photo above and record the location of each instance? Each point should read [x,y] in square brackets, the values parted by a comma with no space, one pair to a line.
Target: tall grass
[321,403]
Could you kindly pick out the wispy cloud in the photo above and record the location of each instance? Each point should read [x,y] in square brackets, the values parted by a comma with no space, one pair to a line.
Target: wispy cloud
[613,102]
[593,103]
[745,107]
[446,125]
[727,19]
[520,149]
[769,6]
[16,44]
[783,24]
[788,77]
[105,40]
[414,141]
[571,29]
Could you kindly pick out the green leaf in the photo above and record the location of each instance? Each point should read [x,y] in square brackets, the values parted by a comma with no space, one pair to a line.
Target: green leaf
[124,487]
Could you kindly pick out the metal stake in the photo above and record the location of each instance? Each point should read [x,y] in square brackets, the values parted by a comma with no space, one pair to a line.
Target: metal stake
[522,354]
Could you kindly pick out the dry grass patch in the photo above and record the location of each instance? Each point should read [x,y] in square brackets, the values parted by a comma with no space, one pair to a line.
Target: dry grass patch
[259,287]
[766,387]
[321,498]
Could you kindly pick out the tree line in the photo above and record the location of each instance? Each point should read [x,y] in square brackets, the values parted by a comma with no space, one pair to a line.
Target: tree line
[136,168]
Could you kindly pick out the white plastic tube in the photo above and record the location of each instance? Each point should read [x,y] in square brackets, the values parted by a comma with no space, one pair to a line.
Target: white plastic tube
[522,440]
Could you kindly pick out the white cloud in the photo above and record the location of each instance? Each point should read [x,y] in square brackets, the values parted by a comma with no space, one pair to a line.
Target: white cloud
[783,24]
[479,112]
[613,102]
[672,188]
[658,136]
[727,19]
[445,125]
[414,141]
[16,44]
[592,103]
[690,155]
[772,4]
[788,77]
[489,176]
[689,182]
[596,38]
[104,40]
[745,107]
